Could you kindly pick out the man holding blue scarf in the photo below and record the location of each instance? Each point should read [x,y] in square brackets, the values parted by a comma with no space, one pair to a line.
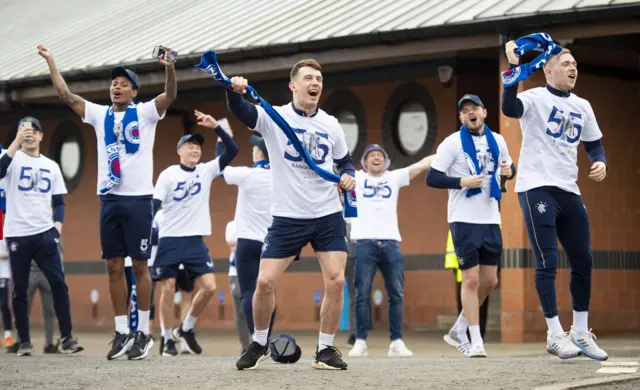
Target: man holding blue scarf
[125,132]
[305,206]
[553,122]
[471,163]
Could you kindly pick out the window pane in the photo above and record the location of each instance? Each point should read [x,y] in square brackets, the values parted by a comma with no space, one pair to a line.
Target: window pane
[349,124]
[413,127]
[70,158]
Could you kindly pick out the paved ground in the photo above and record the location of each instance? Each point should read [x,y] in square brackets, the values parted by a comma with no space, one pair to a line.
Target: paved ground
[435,366]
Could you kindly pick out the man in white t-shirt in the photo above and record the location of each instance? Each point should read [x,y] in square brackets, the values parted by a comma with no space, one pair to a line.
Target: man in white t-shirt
[125,134]
[252,218]
[305,207]
[35,188]
[230,236]
[553,122]
[471,164]
[377,239]
[183,192]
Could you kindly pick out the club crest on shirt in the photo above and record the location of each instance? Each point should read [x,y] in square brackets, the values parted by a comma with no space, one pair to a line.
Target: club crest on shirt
[132,132]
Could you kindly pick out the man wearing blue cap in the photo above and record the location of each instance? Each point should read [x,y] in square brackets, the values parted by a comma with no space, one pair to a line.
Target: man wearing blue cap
[35,188]
[125,132]
[377,238]
[471,164]
[183,192]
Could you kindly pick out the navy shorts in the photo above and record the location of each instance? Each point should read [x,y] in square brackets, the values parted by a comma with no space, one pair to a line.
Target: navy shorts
[125,226]
[476,244]
[191,252]
[287,236]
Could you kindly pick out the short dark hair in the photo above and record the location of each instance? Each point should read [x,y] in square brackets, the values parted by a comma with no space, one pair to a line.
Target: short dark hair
[310,62]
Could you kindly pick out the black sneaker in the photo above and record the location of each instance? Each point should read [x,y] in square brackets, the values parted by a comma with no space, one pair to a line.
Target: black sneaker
[13,348]
[120,345]
[188,338]
[26,349]
[253,356]
[51,349]
[329,359]
[142,344]
[169,348]
[70,345]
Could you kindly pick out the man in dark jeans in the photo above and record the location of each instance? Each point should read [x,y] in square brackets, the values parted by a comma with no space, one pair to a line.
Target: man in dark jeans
[377,238]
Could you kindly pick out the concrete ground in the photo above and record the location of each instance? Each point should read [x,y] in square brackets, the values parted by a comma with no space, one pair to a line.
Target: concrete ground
[434,366]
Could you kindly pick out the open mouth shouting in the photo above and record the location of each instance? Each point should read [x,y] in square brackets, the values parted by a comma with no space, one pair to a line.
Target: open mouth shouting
[314,92]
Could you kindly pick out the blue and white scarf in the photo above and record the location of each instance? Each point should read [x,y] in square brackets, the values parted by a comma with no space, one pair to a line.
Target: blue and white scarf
[469,148]
[130,133]
[209,65]
[264,164]
[538,42]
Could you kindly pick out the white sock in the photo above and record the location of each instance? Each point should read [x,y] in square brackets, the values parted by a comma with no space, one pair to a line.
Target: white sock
[580,321]
[162,328]
[121,325]
[555,328]
[325,340]
[461,324]
[476,338]
[260,336]
[7,333]
[168,334]
[189,322]
[143,321]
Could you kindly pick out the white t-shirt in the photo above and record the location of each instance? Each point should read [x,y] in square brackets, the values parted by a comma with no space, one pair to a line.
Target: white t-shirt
[136,170]
[300,193]
[30,184]
[378,205]
[254,199]
[552,127]
[451,159]
[185,199]
[230,235]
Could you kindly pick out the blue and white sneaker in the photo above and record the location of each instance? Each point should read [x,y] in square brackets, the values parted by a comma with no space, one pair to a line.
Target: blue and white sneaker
[453,340]
[562,346]
[584,341]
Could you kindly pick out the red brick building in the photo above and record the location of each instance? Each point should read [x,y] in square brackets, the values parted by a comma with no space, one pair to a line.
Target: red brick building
[389,79]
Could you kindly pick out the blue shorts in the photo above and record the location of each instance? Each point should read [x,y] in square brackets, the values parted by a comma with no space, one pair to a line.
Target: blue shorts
[287,236]
[125,226]
[191,252]
[476,244]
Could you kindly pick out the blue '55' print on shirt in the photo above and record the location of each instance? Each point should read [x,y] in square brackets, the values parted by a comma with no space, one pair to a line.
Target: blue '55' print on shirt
[312,142]
[35,180]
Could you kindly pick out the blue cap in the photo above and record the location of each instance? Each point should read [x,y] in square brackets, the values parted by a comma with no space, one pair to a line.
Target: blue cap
[469,98]
[192,137]
[34,122]
[257,140]
[122,71]
[371,148]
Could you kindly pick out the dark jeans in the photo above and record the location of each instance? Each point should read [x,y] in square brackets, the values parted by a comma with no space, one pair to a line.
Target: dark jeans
[385,255]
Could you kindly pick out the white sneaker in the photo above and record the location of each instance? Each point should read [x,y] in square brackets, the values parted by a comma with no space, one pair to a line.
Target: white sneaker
[398,349]
[453,340]
[584,341]
[562,346]
[477,351]
[359,349]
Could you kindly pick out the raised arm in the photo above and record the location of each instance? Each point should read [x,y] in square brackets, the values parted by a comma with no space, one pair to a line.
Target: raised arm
[420,167]
[164,100]
[74,101]
[230,148]
[6,158]
[511,105]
